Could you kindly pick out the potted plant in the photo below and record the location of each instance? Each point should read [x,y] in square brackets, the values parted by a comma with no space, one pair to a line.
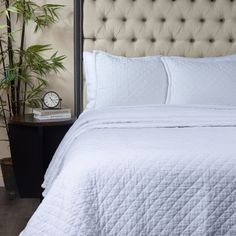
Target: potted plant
[23,69]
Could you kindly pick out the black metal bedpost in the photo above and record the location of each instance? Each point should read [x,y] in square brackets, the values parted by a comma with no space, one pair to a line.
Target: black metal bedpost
[78,55]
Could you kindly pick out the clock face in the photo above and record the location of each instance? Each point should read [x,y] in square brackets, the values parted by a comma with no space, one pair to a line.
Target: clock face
[51,99]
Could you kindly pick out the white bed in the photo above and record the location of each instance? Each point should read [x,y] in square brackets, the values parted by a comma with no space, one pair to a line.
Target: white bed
[149,168]
[157,170]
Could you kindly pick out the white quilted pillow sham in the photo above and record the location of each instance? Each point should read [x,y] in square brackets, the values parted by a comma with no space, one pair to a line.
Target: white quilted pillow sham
[90,77]
[121,81]
[208,81]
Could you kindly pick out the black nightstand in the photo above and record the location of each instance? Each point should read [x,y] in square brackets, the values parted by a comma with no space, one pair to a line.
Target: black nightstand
[33,144]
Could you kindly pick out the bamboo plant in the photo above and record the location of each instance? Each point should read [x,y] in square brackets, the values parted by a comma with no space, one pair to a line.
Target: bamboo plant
[23,69]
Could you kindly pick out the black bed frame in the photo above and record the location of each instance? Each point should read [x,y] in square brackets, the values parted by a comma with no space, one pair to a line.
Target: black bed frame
[78,54]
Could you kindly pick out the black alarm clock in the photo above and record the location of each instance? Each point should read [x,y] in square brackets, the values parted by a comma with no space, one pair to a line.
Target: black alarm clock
[51,100]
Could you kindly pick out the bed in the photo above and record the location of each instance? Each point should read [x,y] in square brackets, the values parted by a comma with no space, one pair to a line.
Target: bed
[149,169]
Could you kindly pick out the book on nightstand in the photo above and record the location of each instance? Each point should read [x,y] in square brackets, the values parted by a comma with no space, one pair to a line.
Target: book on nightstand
[52,114]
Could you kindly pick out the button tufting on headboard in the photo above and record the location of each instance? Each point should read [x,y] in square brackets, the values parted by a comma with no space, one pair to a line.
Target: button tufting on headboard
[167,27]
[202,20]
[191,40]
[221,20]
[104,19]
[113,39]
[153,40]
[143,19]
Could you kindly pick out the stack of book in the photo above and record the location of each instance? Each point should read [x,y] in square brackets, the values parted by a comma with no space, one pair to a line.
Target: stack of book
[52,114]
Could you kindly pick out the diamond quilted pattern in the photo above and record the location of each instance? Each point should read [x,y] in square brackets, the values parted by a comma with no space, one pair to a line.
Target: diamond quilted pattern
[122,81]
[210,82]
[145,179]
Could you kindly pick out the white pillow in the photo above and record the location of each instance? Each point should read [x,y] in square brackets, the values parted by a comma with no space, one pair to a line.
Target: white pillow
[90,77]
[208,81]
[121,81]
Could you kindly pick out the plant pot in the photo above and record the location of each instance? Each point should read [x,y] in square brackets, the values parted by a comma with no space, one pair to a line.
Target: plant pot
[9,177]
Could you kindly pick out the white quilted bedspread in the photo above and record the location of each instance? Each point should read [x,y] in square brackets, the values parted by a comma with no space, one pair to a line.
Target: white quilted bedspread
[158,170]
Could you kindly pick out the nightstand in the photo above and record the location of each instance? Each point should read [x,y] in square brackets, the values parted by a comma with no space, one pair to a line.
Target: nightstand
[33,144]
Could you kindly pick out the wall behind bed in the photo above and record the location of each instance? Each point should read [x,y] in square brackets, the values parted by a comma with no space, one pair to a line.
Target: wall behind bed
[61,38]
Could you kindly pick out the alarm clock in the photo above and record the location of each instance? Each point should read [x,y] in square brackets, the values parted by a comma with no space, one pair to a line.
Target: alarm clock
[51,100]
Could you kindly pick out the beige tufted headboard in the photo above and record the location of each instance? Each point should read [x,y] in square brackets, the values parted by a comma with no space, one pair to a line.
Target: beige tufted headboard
[192,28]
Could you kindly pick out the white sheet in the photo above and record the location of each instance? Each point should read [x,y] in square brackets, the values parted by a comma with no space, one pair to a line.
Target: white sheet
[158,170]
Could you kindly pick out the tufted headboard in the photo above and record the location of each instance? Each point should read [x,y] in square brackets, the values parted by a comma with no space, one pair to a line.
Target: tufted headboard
[191,28]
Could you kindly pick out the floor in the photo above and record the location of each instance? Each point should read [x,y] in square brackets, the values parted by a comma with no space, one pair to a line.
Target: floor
[14,214]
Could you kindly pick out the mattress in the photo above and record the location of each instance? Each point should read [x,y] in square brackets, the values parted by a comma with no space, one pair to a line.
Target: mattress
[153,170]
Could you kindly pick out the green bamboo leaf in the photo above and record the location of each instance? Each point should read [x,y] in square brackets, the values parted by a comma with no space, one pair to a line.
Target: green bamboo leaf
[3,27]
[12,9]
[55,6]
[7,14]
[38,48]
